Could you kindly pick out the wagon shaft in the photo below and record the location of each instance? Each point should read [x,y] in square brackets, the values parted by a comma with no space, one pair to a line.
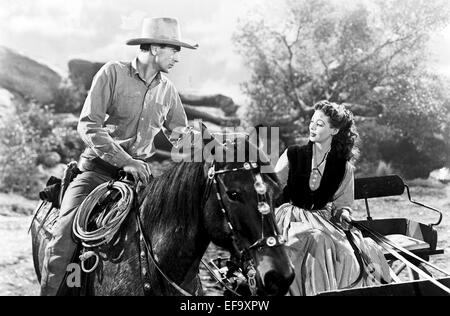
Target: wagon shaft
[415,288]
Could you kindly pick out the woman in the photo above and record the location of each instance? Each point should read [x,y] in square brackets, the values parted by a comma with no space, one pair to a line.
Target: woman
[318,180]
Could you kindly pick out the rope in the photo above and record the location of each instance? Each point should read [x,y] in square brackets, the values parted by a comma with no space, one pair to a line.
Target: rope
[108,223]
[85,256]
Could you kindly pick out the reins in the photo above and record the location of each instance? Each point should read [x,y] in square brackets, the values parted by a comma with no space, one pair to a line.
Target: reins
[392,248]
[149,250]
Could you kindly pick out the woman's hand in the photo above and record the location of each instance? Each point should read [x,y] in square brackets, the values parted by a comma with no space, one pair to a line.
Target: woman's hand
[345,219]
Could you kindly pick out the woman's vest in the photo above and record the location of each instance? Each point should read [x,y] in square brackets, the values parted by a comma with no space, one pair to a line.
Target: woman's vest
[297,190]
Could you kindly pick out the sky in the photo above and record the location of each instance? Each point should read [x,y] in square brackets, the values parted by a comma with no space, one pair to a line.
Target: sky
[55,31]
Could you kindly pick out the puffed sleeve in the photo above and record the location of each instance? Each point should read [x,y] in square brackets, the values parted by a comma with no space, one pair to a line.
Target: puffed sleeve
[344,196]
[282,169]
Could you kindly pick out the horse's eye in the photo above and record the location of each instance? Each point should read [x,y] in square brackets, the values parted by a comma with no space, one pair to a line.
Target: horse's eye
[234,195]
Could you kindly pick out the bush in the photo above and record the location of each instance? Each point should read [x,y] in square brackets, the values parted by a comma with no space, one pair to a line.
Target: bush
[69,98]
[18,171]
[408,136]
[24,143]
[411,162]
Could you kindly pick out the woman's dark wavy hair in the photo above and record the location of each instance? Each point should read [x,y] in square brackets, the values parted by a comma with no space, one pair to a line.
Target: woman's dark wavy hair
[345,142]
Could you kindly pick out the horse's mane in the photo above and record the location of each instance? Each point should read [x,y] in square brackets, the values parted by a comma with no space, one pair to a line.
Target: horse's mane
[174,196]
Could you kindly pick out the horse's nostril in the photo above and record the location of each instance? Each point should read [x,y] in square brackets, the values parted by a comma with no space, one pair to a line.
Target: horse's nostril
[276,283]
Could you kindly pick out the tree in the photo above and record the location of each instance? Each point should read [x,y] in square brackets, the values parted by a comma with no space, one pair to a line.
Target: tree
[371,55]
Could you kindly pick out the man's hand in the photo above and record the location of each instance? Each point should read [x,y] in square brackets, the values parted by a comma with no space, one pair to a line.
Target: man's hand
[139,170]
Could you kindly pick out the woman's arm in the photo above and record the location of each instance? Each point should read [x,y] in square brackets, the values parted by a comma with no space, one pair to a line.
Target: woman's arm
[282,169]
[344,197]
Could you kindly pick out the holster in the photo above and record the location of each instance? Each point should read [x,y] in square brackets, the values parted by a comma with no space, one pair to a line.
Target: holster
[55,187]
[51,191]
[69,174]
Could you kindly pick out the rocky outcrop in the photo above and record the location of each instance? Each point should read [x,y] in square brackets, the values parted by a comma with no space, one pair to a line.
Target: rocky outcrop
[26,77]
[206,115]
[82,72]
[226,104]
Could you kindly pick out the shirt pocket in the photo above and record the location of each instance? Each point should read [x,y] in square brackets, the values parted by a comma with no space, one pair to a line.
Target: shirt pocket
[129,104]
[158,114]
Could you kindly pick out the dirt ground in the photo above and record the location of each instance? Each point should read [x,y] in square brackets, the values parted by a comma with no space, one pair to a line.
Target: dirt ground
[17,275]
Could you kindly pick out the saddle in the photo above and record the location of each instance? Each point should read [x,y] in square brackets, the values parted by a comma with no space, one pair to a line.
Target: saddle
[51,197]
[47,214]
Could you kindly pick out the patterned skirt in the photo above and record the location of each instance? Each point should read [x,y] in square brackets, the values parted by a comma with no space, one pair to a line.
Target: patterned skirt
[323,258]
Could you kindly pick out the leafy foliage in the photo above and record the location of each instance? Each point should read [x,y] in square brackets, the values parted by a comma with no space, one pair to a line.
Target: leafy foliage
[371,55]
[25,140]
[69,98]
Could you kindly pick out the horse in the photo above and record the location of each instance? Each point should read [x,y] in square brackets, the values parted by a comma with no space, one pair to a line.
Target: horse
[179,214]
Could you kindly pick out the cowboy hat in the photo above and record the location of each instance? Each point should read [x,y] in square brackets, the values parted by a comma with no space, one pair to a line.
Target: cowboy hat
[161,31]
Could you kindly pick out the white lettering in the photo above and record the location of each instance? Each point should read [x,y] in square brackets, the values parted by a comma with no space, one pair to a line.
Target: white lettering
[74,277]
[193,306]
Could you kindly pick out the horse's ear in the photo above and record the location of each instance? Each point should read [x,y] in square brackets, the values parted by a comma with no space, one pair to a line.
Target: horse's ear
[260,137]
[206,135]
[209,141]
[254,136]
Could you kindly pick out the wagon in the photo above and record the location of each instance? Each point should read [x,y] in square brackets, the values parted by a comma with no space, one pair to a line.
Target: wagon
[414,243]
[408,246]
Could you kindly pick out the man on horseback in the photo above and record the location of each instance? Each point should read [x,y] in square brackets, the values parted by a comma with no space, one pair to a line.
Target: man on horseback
[128,104]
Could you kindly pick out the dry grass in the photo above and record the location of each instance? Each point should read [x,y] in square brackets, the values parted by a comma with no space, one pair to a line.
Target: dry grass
[17,275]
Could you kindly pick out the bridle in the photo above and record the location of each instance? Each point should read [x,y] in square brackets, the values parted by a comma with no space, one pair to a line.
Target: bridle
[269,239]
[266,241]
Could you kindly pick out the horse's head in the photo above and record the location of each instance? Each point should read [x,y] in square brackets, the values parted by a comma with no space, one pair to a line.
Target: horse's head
[239,216]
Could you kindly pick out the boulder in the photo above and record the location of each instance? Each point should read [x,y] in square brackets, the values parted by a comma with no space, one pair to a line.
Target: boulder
[27,77]
[82,72]
[209,115]
[226,104]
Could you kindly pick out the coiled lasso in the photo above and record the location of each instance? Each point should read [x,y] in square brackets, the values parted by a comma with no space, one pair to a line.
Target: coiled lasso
[108,223]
